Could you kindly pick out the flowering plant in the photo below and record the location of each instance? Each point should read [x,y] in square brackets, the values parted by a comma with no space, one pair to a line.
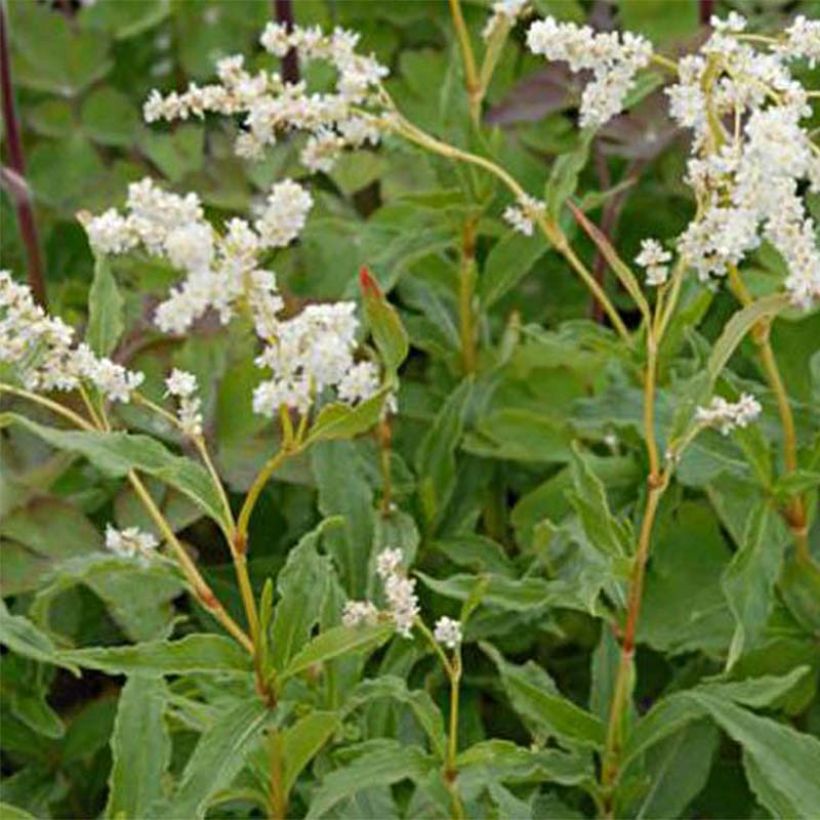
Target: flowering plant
[481,557]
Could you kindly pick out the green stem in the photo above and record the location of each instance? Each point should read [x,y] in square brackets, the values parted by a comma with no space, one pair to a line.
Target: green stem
[466,295]
[548,226]
[268,469]
[67,414]
[278,798]
[472,83]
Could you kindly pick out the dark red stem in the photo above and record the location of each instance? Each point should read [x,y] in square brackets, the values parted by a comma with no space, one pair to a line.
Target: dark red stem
[17,164]
[283,9]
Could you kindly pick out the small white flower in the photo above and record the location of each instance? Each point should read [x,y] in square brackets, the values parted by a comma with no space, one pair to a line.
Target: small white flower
[654,258]
[359,383]
[130,543]
[613,59]
[403,602]
[522,216]
[726,416]
[356,613]
[448,632]
[284,215]
[504,12]
[181,383]
[388,562]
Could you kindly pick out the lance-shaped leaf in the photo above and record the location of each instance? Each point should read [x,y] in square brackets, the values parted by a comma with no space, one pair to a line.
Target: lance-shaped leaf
[22,637]
[781,763]
[105,321]
[218,757]
[536,698]
[302,741]
[140,748]
[606,533]
[117,453]
[384,323]
[340,640]
[739,325]
[382,763]
[302,585]
[419,701]
[341,421]
[192,654]
[748,582]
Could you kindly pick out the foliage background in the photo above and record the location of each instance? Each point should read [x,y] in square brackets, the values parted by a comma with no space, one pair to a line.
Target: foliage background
[481,467]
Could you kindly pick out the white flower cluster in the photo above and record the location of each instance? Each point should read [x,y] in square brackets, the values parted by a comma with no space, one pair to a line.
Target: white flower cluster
[613,59]
[726,416]
[221,269]
[802,41]
[131,543]
[504,13]
[747,182]
[310,352]
[183,386]
[654,258]
[448,632]
[400,591]
[522,216]
[356,613]
[349,116]
[41,349]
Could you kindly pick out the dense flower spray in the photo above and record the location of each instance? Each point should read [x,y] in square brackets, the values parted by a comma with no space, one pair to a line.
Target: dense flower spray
[350,115]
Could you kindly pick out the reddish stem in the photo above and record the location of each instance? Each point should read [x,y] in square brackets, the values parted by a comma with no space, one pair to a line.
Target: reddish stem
[20,192]
[283,10]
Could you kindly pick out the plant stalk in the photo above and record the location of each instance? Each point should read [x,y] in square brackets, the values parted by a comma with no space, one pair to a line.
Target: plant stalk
[795,513]
[471,79]
[466,297]
[21,191]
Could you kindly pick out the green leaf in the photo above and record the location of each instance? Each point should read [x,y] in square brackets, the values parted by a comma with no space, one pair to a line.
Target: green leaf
[509,261]
[564,174]
[684,608]
[435,456]
[384,323]
[117,453]
[605,532]
[739,325]
[21,636]
[9,812]
[677,770]
[303,586]
[201,653]
[341,421]
[800,587]
[137,597]
[303,741]
[52,55]
[344,491]
[42,532]
[218,757]
[340,640]
[784,763]
[140,748]
[659,20]
[110,118]
[502,760]
[420,703]
[748,582]
[674,712]
[535,697]
[389,762]
[176,154]
[520,435]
